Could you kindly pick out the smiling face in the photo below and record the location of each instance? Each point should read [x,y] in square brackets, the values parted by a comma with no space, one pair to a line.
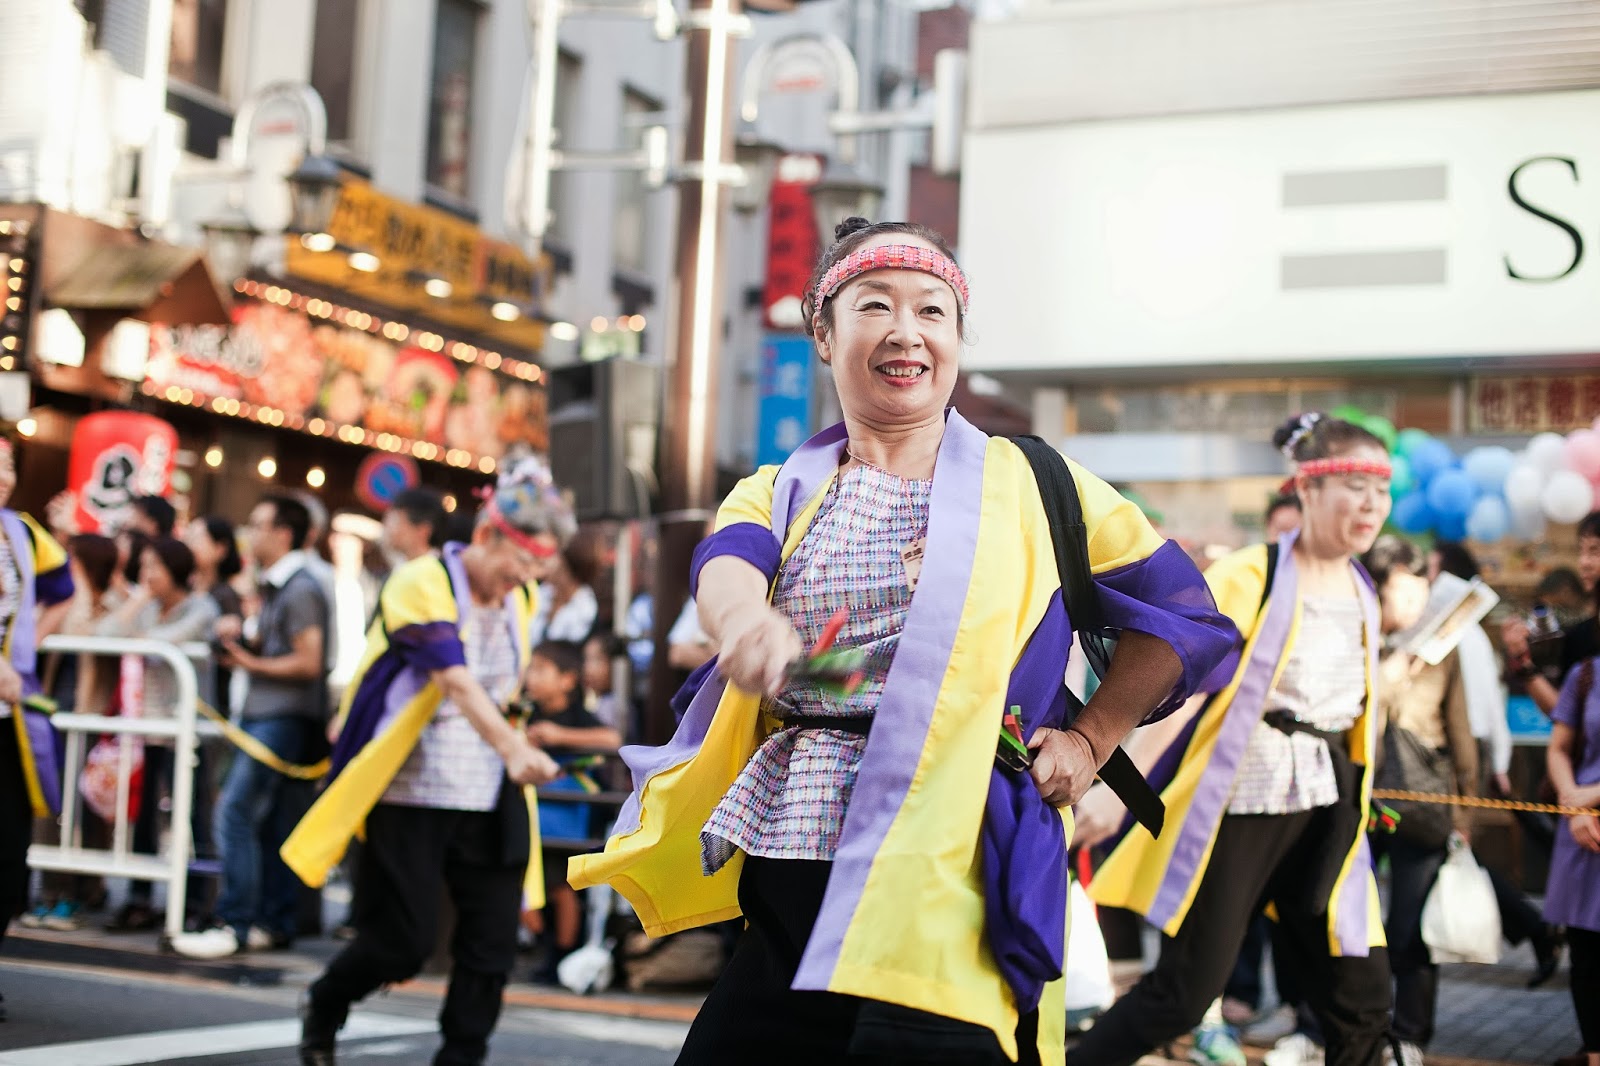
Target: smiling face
[1347,511]
[893,344]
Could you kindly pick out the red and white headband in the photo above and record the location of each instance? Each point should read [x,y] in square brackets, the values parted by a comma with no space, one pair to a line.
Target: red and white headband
[895,257]
[1324,467]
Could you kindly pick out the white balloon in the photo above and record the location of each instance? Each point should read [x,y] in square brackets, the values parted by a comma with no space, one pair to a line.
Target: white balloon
[1567,497]
[1528,525]
[1548,452]
[1524,487]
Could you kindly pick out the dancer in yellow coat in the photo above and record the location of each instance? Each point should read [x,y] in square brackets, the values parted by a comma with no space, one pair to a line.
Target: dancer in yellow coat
[428,766]
[1270,785]
[906,898]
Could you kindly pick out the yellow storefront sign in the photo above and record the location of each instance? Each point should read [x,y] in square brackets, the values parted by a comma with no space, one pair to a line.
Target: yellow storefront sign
[422,259]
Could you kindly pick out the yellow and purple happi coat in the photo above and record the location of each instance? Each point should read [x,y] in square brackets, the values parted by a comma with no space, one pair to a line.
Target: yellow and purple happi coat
[1158,878]
[392,698]
[43,580]
[949,886]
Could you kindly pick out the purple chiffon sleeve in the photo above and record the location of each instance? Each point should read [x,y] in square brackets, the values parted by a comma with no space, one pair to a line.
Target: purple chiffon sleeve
[429,646]
[750,541]
[1165,596]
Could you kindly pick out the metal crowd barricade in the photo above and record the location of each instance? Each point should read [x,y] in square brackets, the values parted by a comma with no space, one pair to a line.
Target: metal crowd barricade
[180,728]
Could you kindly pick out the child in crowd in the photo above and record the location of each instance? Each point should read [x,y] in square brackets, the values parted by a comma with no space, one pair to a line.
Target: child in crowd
[567,732]
[599,653]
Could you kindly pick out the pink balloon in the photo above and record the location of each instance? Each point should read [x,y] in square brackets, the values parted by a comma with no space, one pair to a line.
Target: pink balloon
[1583,452]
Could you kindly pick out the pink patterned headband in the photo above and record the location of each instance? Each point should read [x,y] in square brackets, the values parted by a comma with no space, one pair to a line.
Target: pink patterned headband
[895,257]
[1324,467]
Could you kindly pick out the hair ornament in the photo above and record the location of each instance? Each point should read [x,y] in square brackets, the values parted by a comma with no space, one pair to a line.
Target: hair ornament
[1308,422]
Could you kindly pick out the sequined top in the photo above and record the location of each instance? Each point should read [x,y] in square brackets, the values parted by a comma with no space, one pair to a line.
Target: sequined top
[1324,683]
[790,801]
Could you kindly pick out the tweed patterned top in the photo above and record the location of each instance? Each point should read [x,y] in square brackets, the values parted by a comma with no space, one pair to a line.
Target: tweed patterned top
[789,802]
[1324,683]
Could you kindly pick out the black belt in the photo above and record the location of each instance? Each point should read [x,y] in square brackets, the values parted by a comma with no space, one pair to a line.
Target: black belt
[1286,723]
[858,724]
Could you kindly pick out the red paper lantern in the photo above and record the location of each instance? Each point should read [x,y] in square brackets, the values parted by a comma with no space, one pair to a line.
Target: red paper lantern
[117,455]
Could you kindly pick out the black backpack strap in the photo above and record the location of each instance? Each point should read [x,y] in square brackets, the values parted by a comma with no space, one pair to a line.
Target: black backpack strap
[1067,531]
[1070,537]
[1272,572]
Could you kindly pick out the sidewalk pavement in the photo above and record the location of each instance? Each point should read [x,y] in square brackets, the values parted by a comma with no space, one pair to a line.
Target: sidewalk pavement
[1486,1013]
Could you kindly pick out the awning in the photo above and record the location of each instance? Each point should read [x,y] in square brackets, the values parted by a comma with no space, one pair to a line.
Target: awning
[148,280]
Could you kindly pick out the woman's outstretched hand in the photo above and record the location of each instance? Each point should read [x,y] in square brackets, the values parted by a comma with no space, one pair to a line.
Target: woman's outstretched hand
[758,644]
[1064,765]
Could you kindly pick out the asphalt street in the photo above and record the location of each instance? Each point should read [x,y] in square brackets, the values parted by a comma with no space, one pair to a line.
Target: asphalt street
[70,1015]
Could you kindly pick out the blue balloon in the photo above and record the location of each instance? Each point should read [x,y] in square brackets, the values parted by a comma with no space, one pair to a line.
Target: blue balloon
[1489,521]
[1412,514]
[1488,467]
[1450,527]
[1428,458]
[1451,494]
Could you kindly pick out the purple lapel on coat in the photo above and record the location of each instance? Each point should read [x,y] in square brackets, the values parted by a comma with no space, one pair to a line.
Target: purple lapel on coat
[42,739]
[1211,796]
[911,690]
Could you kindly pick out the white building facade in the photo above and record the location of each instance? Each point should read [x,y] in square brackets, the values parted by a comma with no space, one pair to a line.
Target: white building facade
[1238,211]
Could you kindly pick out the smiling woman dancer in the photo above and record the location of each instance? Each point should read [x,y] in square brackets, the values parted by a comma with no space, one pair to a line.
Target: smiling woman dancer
[1270,791]
[906,898]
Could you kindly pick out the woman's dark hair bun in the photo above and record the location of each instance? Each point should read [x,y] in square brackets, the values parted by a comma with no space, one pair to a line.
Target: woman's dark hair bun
[1285,431]
[853,224]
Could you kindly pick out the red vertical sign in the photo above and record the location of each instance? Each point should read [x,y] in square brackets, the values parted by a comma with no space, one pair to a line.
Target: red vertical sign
[792,244]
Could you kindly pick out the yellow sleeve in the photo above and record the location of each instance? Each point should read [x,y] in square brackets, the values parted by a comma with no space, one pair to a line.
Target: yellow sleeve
[418,593]
[48,554]
[1238,582]
[1119,533]
[750,500]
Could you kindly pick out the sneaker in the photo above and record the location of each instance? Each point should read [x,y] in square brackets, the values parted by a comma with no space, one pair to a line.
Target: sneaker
[1296,1049]
[1236,1012]
[134,917]
[259,939]
[1410,1054]
[64,917]
[217,943]
[34,919]
[1271,1028]
[1216,1045]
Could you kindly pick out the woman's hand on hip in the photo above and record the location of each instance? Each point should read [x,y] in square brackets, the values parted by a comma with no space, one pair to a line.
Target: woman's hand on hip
[758,644]
[1064,765]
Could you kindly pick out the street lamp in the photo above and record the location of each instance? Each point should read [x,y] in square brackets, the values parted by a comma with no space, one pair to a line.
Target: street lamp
[758,158]
[314,186]
[230,242]
[843,192]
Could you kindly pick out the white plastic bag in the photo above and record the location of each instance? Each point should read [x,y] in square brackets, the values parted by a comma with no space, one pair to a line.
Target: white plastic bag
[1460,920]
[1088,967]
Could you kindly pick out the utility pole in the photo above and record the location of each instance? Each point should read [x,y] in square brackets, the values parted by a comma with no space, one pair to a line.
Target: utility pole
[688,432]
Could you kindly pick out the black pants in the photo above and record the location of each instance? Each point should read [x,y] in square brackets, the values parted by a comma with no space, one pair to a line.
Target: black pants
[1519,919]
[1583,947]
[16,828]
[1255,857]
[753,1015]
[1412,872]
[409,851]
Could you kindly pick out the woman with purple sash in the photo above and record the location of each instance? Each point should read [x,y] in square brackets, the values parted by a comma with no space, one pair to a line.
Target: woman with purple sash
[1267,782]
[1572,897]
[35,590]
[905,896]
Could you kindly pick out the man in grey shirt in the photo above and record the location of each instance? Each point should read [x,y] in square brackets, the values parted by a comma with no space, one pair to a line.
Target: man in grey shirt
[285,709]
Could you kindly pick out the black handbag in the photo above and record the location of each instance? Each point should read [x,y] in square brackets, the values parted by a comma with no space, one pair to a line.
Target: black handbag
[1409,765]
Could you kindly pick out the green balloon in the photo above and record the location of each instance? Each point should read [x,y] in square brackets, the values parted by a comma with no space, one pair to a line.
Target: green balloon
[1349,412]
[1408,439]
[1381,428]
[1401,480]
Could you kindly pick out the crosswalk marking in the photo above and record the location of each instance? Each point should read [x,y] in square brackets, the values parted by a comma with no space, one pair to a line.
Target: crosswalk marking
[174,1045]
